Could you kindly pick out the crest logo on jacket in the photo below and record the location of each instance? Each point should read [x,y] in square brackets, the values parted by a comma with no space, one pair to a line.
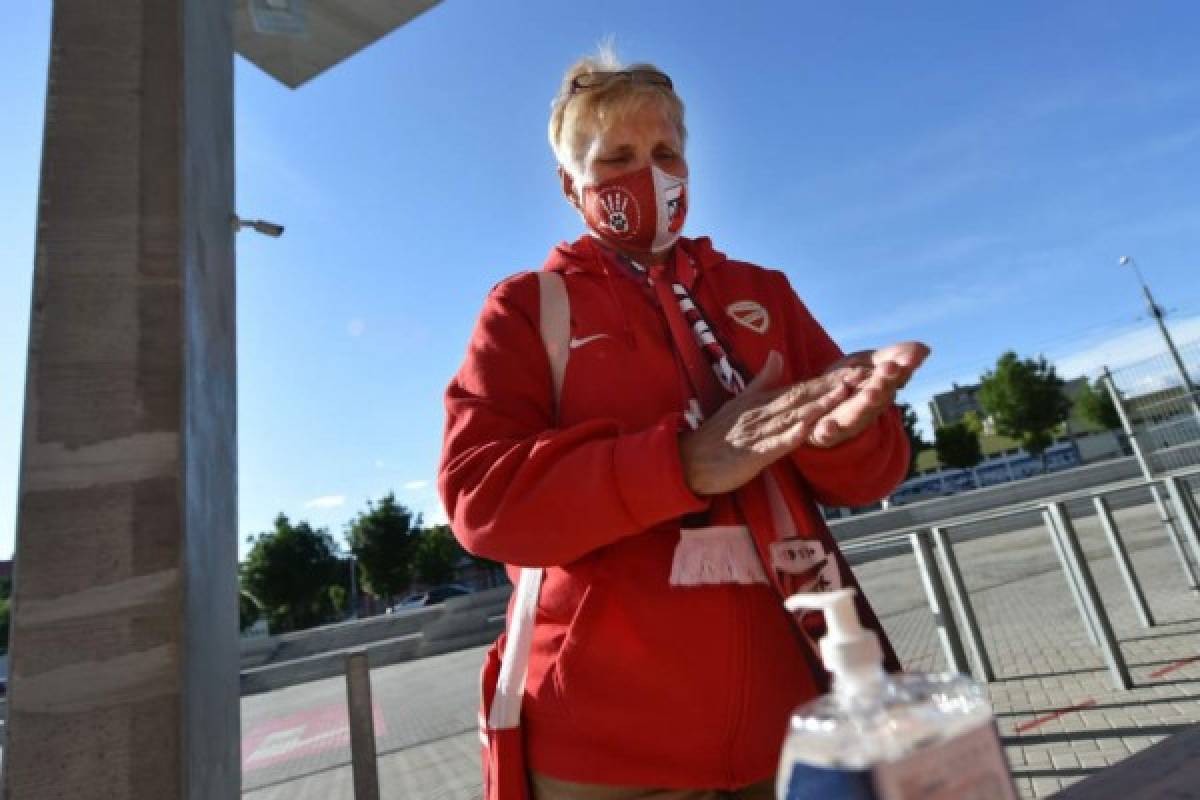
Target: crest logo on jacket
[620,211]
[749,314]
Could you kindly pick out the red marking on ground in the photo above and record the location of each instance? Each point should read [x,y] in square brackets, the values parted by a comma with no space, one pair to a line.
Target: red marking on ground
[1042,720]
[1183,662]
[314,730]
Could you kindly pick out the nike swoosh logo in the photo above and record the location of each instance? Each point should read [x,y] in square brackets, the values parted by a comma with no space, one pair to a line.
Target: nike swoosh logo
[581,341]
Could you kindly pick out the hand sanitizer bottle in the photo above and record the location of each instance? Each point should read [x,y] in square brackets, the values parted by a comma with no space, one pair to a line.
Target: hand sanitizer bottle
[887,737]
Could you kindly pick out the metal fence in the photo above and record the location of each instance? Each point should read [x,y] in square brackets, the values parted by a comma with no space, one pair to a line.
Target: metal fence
[950,603]
[1160,407]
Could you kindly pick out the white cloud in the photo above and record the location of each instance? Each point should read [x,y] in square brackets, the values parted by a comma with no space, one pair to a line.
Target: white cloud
[912,315]
[327,501]
[1128,348]
[356,327]
[413,486]
[906,198]
[937,303]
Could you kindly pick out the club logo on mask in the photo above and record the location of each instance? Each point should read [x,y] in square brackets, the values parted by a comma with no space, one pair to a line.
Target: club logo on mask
[620,211]
[749,314]
[640,210]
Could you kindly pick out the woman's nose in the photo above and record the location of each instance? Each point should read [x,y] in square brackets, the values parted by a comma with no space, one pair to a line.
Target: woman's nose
[641,160]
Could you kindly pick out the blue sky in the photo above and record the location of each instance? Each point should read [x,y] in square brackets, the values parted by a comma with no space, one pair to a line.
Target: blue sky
[962,173]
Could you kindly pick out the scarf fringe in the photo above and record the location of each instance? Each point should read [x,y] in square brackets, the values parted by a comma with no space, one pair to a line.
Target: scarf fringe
[717,554]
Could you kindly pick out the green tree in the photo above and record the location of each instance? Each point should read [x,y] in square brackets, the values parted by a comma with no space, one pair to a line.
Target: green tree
[1095,404]
[957,446]
[338,598]
[916,442]
[384,540]
[289,571]
[437,555]
[1026,400]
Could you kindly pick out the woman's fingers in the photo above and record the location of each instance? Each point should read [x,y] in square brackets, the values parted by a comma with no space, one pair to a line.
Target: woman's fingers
[871,378]
[818,396]
[887,370]
[819,417]
[764,433]
[855,414]
[908,354]
[827,433]
[799,394]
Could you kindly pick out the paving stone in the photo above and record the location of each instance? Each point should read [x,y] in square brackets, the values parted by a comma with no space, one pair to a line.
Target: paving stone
[1044,787]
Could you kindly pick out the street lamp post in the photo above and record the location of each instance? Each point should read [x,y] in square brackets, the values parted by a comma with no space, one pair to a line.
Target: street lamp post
[1157,312]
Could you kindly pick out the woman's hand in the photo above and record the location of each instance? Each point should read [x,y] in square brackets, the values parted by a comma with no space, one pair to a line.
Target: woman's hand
[890,368]
[762,424]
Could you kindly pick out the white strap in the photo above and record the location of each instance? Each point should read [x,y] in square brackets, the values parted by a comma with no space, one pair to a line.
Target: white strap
[555,324]
[555,328]
[785,526]
[514,664]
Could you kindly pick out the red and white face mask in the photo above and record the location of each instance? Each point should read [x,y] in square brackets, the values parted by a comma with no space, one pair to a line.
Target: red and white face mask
[642,210]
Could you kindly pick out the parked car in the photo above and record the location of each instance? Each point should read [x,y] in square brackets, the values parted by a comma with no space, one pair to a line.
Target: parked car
[430,597]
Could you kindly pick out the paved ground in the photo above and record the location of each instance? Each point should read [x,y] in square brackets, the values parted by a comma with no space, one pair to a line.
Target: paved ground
[1060,718]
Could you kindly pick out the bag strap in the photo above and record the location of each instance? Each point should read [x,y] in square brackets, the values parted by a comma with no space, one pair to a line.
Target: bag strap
[555,324]
[555,328]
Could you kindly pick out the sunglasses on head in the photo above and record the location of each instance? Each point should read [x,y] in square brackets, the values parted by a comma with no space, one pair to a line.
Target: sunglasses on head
[595,80]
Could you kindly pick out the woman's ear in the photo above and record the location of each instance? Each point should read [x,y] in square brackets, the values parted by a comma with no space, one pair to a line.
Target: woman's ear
[568,188]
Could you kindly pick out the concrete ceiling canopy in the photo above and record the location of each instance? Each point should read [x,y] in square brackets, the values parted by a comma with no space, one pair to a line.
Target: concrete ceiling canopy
[293,41]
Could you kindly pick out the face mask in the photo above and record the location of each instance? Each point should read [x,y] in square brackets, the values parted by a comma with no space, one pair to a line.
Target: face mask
[641,211]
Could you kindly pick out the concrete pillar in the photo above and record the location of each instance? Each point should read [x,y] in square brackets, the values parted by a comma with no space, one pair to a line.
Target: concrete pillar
[124,668]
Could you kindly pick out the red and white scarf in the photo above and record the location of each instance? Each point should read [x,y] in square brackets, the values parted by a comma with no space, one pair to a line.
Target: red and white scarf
[725,551]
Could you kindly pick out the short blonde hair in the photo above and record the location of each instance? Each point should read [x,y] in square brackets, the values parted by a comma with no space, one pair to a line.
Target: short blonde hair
[575,117]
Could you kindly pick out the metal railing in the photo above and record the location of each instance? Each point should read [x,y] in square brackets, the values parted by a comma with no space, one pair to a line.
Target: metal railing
[950,602]
[361,721]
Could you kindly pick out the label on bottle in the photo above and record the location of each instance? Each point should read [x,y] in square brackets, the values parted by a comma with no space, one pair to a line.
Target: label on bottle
[971,766]
[808,782]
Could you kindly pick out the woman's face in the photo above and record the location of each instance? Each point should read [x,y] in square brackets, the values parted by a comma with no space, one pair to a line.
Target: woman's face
[632,142]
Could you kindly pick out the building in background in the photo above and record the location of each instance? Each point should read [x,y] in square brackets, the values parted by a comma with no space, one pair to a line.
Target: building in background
[950,407]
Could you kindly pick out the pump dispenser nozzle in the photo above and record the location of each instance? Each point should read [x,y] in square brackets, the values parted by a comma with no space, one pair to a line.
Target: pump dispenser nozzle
[851,654]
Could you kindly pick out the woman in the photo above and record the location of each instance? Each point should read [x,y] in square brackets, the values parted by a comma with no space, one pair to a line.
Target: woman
[669,485]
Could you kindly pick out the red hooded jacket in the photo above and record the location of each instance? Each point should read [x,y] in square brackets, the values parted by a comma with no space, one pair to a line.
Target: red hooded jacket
[632,681]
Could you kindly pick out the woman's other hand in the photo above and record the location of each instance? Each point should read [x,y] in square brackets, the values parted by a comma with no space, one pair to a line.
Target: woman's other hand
[889,368]
[762,424]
